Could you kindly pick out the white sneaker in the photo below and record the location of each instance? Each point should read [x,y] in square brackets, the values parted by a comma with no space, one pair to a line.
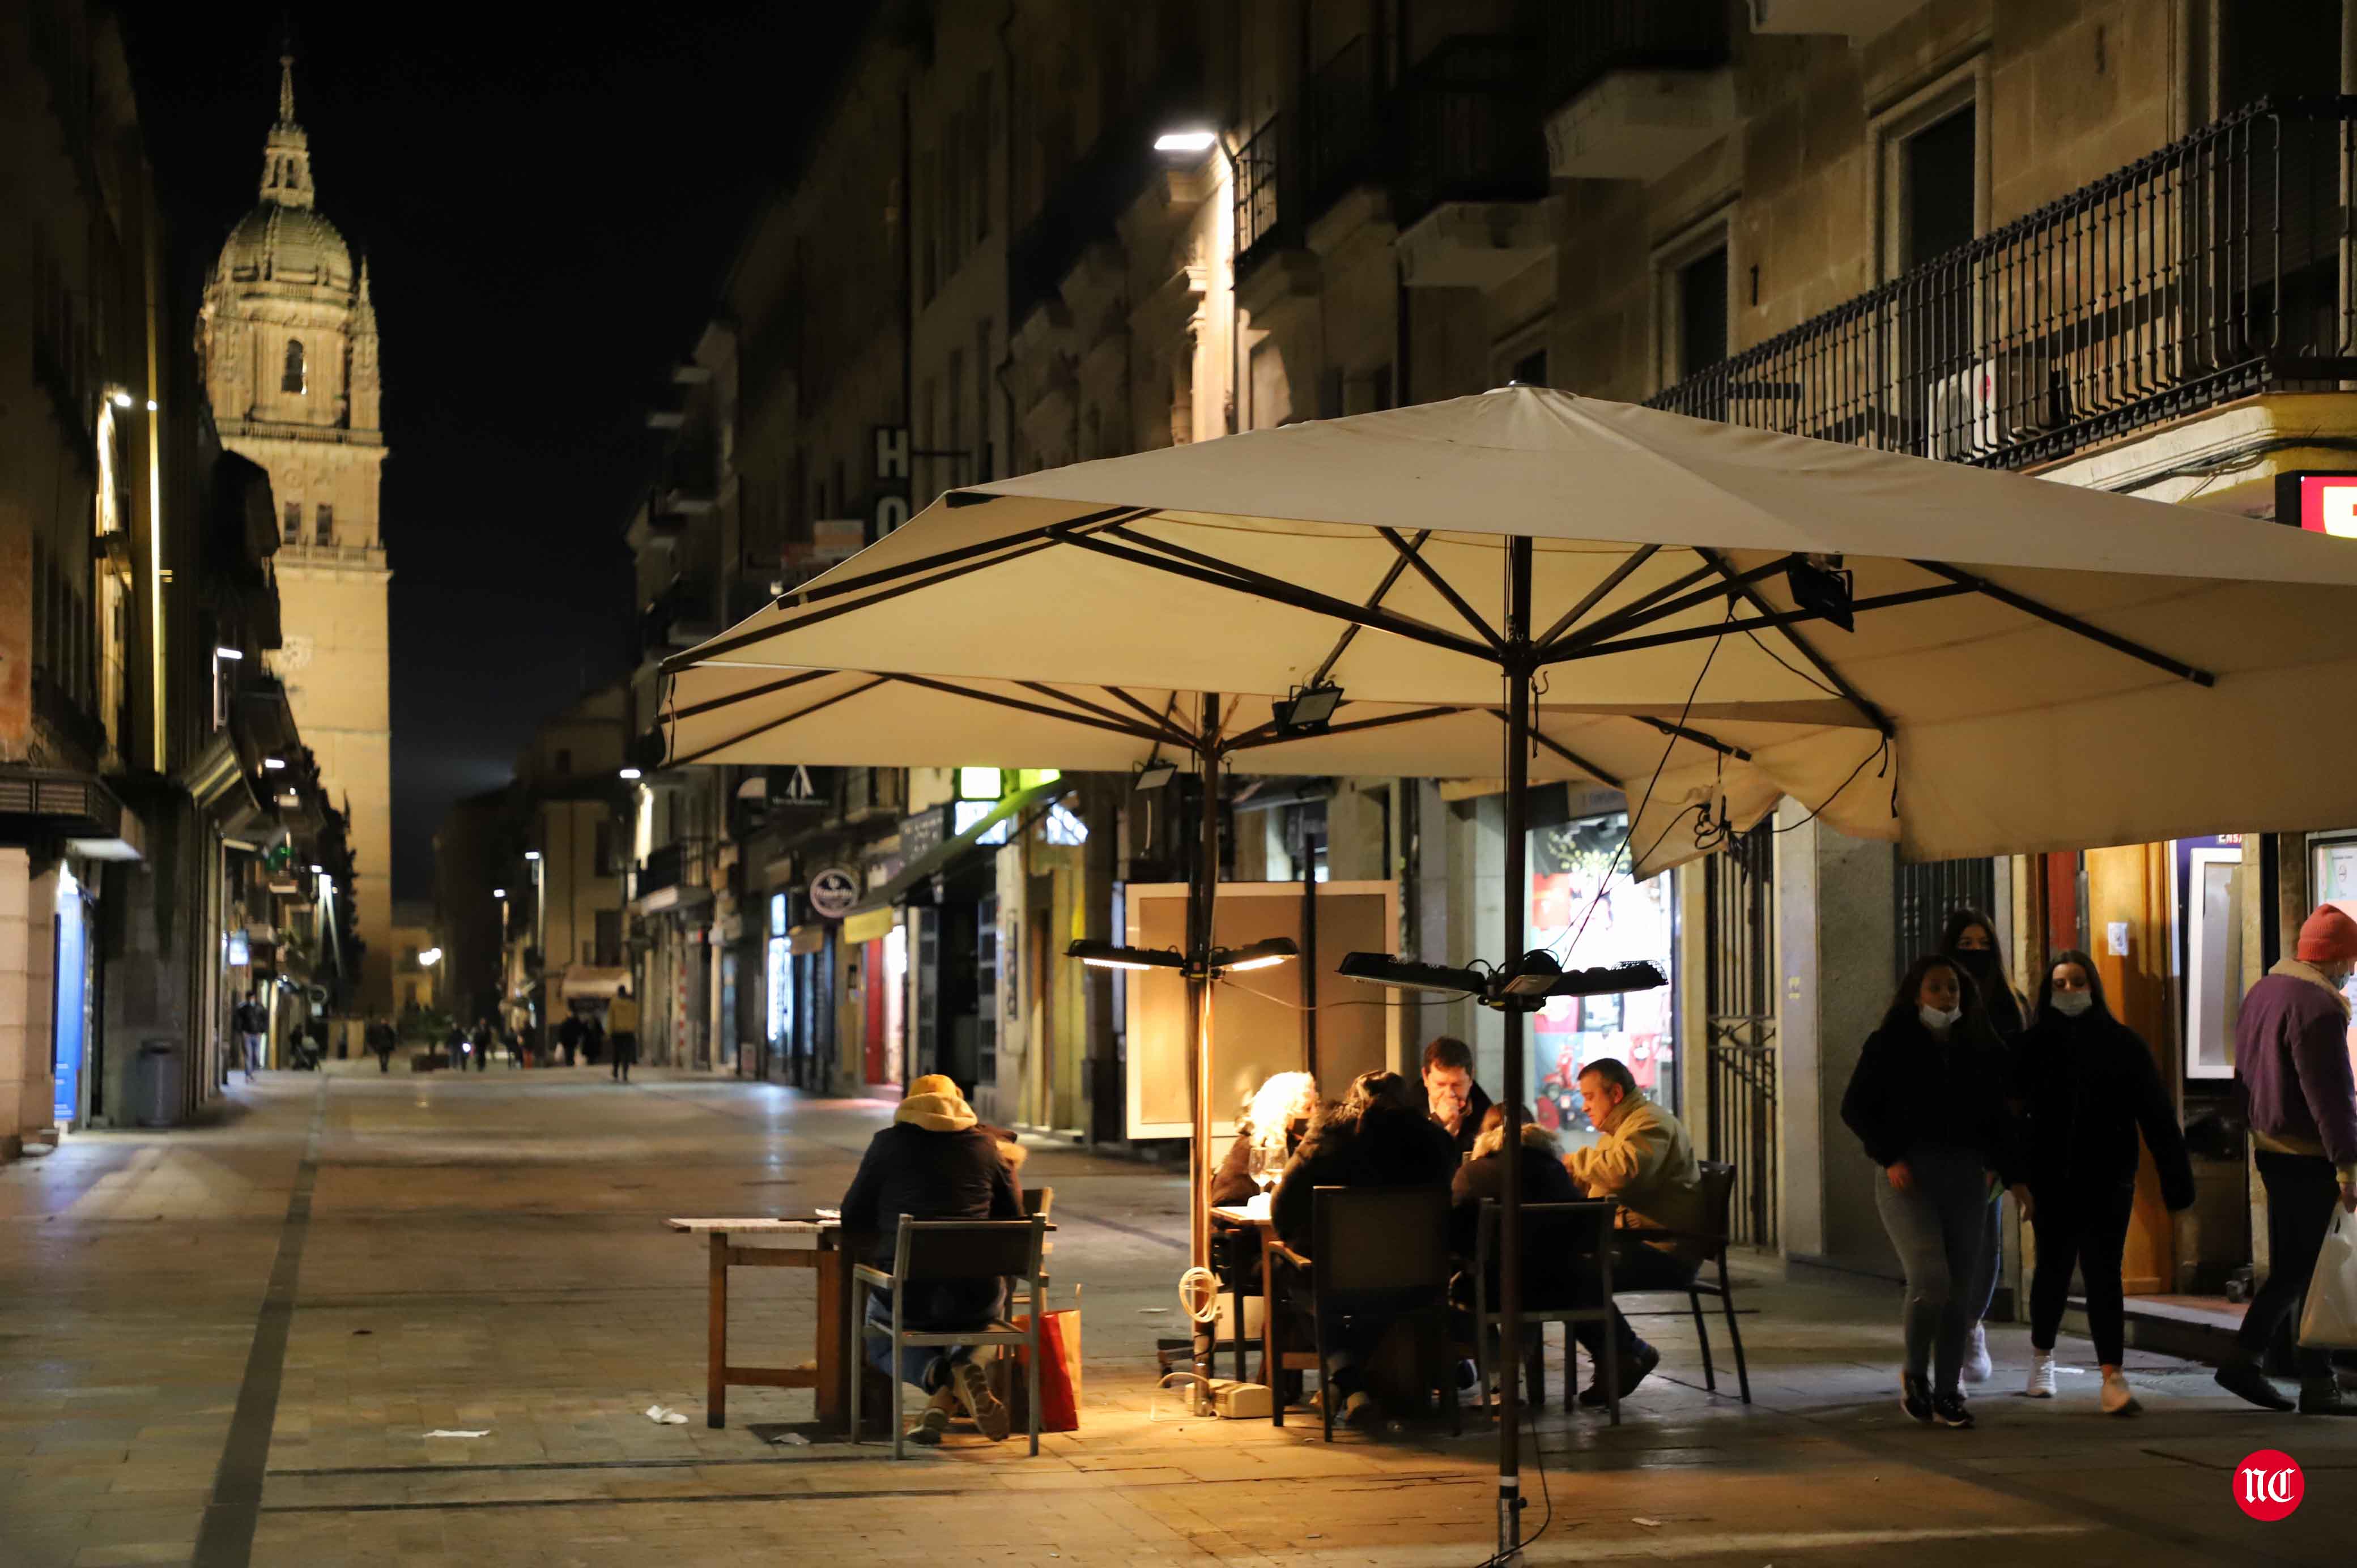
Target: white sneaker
[1977,1368]
[2042,1377]
[2118,1398]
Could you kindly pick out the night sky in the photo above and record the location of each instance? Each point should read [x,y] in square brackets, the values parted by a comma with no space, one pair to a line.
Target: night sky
[547,199]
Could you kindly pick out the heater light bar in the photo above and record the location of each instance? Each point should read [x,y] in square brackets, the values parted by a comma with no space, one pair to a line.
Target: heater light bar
[1113,955]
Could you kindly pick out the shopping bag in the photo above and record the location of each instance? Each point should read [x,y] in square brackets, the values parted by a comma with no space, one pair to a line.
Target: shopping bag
[1060,1374]
[2329,1321]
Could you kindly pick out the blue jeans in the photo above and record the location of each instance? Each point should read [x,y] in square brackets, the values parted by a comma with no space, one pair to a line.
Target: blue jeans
[932,1310]
[1940,1229]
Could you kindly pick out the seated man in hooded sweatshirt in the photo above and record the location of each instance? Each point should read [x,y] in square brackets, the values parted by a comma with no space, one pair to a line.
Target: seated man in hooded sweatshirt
[934,1161]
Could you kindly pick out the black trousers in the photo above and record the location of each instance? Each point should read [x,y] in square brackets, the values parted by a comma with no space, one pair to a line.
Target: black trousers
[2301,1191]
[2087,1227]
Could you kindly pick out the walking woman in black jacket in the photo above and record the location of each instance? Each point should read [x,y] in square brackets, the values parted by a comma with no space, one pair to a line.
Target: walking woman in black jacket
[1928,1101]
[2089,1085]
[1970,938]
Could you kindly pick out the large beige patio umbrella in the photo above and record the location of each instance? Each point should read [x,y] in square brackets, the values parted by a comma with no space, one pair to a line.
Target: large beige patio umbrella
[2047,665]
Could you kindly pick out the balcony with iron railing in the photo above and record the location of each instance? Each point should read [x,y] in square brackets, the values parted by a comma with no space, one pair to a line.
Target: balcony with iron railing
[1462,124]
[1588,40]
[2214,269]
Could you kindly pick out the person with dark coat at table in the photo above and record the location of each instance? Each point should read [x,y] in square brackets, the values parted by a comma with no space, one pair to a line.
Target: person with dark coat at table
[1382,1135]
[2291,1053]
[1274,1119]
[1456,1102]
[1969,937]
[2088,1086]
[934,1161]
[1547,1274]
[1928,1101]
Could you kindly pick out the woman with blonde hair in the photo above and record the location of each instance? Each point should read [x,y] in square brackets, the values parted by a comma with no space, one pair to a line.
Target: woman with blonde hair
[1275,1117]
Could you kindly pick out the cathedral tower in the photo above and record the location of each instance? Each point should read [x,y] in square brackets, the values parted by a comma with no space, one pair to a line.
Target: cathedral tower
[287,337]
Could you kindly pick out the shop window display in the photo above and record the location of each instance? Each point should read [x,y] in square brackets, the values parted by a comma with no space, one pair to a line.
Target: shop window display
[1587,910]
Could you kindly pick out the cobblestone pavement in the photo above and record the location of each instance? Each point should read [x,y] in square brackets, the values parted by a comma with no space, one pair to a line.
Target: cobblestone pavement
[226,1345]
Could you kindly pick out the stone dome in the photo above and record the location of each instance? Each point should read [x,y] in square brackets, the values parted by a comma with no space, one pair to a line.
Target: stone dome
[277,244]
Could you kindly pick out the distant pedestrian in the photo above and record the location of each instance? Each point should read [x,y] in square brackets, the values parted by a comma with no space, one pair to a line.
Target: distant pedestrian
[381,1040]
[253,1021]
[625,1047]
[569,1036]
[455,1045]
[2089,1085]
[1928,1101]
[2291,1053]
[482,1040]
[1970,938]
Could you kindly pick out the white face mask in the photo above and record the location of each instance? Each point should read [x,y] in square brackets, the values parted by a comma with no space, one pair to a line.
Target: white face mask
[2072,1004]
[1939,1020]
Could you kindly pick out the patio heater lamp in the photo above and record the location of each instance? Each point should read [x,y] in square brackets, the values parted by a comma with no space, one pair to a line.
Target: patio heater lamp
[1522,986]
[1263,954]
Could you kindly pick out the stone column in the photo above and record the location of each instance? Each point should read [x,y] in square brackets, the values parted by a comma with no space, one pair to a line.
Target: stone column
[1834,915]
[24,1032]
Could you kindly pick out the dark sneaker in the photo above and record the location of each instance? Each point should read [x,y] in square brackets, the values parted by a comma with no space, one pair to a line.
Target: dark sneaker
[1915,1398]
[1949,1410]
[2322,1396]
[1634,1369]
[927,1433]
[988,1411]
[2244,1380]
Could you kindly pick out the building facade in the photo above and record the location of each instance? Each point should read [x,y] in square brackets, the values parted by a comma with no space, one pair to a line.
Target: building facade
[288,339]
[1036,233]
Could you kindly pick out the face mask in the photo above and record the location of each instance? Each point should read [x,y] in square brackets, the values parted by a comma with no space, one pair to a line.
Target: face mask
[1939,1020]
[2072,1004]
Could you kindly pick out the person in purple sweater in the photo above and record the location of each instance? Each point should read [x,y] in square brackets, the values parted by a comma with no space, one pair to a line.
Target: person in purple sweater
[2291,1055]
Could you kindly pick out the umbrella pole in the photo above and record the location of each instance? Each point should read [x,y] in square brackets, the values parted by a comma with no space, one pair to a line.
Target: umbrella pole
[1517,659]
[1199,1021]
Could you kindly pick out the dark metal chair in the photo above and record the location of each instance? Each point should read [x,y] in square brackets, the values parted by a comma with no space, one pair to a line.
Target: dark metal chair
[1579,1234]
[941,1251]
[1705,1249]
[1378,1252]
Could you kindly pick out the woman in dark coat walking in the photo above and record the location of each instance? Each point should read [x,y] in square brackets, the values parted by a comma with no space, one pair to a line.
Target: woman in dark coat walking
[1969,937]
[2089,1085]
[1928,1101]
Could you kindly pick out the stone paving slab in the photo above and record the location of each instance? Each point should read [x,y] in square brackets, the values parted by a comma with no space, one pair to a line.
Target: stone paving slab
[489,1252]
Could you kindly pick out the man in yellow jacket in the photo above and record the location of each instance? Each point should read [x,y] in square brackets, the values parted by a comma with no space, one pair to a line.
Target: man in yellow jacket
[1642,1158]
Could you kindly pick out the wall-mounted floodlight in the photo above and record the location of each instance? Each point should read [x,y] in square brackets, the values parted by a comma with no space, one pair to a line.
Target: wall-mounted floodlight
[1308,711]
[273,764]
[633,773]
[229,653]
[531,855]
[498,892]
[1190,139]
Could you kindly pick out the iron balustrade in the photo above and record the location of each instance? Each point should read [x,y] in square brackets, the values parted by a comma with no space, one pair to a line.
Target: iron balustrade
[2214,268]
[1462,124]
[1586,40]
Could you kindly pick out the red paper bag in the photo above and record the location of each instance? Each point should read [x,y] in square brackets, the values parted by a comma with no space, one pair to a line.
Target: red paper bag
[1059,1374]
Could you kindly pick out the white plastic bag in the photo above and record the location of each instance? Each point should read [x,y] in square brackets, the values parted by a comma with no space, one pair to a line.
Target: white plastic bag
[2328,1322]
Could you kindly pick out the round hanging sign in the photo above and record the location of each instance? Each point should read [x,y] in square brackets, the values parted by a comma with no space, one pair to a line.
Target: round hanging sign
[833,892]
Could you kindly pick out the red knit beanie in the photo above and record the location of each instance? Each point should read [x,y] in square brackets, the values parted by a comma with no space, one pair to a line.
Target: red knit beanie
[2328,937]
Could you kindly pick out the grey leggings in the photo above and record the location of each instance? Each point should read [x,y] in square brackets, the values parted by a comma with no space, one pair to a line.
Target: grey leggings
[1940,1229]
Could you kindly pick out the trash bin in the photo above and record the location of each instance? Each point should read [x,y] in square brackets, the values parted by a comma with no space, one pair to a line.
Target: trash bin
[162,1072]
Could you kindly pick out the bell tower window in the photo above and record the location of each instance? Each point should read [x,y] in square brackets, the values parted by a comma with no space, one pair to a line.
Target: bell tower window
[292,380]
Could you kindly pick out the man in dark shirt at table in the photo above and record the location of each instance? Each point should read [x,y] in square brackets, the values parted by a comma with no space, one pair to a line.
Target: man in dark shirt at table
[933,1163]
[1457,1101]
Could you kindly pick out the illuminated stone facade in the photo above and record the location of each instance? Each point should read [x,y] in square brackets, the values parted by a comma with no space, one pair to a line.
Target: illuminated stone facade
[289,337]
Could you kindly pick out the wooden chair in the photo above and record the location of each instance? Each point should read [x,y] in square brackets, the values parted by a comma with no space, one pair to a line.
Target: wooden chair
[1377,1251]
[1566,1230]
[1707,1250]
[941,1251]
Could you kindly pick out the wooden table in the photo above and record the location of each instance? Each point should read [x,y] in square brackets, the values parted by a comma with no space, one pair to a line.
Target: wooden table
[826,1374]
[1273,1364]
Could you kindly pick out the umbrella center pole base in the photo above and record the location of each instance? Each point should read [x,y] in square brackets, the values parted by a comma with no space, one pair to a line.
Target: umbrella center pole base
[1510,1520]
